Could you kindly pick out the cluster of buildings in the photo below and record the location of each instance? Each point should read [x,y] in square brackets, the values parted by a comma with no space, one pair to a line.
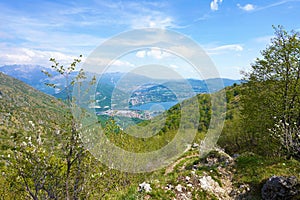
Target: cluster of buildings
[127,113]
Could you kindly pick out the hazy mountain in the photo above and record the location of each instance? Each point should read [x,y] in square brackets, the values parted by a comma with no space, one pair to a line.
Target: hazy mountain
[143,89]
[33,76]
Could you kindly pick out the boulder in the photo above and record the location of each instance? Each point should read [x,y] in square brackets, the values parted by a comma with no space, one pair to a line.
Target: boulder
[280,187]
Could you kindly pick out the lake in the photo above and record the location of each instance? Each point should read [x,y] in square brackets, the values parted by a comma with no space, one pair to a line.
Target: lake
[155,106]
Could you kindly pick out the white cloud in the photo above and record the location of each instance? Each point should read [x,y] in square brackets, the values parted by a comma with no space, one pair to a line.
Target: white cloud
[141,14]
[58,31]
[224,48]
[214,5]
[278,3]
[121,63]
[16,55]
[156,53]
[140,54]
[157,21]
[247,7]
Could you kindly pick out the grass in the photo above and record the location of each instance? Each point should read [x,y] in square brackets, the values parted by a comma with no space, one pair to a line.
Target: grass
[255,170]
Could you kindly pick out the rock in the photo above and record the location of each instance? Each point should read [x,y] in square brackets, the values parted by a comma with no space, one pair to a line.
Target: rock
[187,178]
[217,157]
[280,187]
[169,187]
[244,188]
[208,184]
[240,192]
[195,145]
[178,188]
[145,187]
[236,155]
[183,196]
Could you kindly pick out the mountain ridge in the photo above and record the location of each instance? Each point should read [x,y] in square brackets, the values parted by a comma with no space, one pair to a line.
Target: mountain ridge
[32,75]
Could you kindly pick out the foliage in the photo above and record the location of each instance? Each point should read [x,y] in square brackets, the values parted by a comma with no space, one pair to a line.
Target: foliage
[272,94]
[42,156]
[73,150]
[39,140]
[232,139]
[28,117]
[288,136]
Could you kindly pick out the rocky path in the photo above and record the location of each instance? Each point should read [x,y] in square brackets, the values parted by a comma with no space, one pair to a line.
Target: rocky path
[171,167]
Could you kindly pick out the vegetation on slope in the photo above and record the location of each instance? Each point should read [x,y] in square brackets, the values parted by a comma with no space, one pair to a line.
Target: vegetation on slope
[43,158]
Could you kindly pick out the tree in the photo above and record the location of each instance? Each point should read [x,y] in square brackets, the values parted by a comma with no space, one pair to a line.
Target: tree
[50,162]
[271,96]
[72,147]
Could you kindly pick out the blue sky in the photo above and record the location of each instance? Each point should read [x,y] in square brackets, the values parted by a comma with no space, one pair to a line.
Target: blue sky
[232,32]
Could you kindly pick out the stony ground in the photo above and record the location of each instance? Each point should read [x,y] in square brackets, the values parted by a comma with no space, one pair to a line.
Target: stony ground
[211,176]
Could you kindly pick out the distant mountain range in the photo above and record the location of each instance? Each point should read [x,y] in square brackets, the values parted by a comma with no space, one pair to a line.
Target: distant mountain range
[33,76]
[143,89]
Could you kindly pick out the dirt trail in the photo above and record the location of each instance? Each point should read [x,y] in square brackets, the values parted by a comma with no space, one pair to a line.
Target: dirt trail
[171,167]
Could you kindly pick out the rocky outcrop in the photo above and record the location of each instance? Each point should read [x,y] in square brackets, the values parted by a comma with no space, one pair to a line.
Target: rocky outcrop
[208,184]
[218,185]
[280,187]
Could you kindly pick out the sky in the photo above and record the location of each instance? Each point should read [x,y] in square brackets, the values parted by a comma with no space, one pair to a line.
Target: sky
[231,32]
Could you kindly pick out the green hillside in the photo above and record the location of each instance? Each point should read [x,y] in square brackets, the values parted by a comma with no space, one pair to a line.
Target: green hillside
[36,130]
[24,109]
[31,127]
[250,169]
[35,146]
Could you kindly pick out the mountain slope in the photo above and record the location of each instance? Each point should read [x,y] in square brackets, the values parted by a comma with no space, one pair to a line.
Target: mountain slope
[25,111]
[23,107]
